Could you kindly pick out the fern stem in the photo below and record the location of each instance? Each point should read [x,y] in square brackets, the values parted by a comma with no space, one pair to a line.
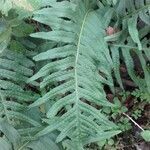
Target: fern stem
[23,145]
[133,121]
[127,46]
[76,72]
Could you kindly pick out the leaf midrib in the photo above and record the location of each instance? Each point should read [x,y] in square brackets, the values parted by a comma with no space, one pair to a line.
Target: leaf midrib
[76,72]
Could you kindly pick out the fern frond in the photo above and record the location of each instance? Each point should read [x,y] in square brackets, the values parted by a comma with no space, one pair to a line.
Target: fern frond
[134,11]
[127,51]
[11,139]
[135,18]
[15,69]
[129,8]
[74,71]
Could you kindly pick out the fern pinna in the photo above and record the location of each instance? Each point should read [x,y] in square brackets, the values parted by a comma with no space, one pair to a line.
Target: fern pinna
[73,70]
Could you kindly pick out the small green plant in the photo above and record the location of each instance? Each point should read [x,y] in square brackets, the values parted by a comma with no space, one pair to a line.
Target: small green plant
[146,135]
[142,95]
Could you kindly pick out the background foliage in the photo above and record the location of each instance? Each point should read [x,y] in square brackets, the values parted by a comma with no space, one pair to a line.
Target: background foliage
[68,69]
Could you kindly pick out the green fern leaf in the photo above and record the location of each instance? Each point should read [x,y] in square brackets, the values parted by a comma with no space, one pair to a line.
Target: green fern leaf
[12,136]
[76,60]
[14,74]
[133,31]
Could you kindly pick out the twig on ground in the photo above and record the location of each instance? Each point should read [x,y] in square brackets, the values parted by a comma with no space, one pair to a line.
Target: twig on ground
[133,121]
